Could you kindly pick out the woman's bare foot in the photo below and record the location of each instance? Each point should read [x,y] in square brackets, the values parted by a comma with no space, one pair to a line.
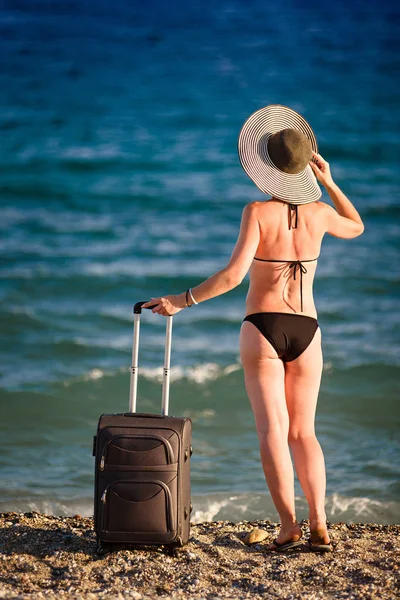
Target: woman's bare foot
[287,534]
[319,532]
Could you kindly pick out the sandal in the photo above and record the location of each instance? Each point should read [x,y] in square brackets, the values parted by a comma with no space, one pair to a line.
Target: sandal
[285,546]
[322,548]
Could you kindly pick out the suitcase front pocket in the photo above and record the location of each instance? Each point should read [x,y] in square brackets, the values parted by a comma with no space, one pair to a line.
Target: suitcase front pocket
[135,450]
[137,506]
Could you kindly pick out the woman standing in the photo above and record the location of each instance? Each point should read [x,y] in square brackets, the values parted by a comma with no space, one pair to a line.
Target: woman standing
[280,340]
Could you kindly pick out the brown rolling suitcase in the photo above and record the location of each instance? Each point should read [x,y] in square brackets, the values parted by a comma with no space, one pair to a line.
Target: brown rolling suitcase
[142,469]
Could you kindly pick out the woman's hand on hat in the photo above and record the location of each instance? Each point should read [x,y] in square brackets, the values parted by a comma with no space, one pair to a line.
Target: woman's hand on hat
[321,169]
[166,305]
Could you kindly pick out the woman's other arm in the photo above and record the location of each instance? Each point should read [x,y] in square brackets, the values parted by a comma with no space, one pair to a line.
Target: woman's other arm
[344,222]
[227,278]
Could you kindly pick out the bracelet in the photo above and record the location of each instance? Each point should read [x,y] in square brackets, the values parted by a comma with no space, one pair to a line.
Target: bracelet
[191,295]
[187,298]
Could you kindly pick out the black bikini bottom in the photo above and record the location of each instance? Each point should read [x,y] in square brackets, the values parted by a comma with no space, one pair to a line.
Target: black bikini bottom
[288,333]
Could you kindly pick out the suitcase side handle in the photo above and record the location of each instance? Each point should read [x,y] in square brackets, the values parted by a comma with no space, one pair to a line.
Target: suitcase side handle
[134,365]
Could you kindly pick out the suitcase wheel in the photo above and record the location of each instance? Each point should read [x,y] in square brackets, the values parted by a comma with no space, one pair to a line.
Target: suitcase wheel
[102,548]
[175,549]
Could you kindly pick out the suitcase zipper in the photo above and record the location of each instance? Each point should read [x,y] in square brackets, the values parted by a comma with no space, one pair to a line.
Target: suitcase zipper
[166,443]
[103,499]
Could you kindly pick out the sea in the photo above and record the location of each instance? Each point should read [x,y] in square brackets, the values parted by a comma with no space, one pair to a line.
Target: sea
[120,181]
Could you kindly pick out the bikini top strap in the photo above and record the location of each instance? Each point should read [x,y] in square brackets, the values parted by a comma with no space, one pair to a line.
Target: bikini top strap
[275,260]
[294,265]
[293,208]
[298,264]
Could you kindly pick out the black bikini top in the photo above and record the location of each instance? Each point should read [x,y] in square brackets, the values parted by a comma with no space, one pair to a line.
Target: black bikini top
[293,264]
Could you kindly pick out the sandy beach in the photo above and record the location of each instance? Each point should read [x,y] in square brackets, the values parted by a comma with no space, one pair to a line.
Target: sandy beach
[44,556]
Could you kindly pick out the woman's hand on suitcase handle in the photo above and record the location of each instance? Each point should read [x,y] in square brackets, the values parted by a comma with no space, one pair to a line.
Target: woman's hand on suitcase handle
[167,305]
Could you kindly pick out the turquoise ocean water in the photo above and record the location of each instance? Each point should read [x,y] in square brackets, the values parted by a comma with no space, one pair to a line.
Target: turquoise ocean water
[119,180]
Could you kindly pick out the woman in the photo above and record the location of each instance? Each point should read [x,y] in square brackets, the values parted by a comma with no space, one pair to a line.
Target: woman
[280,341]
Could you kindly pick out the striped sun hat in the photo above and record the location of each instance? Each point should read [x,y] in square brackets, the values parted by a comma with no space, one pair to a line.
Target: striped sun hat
[275,147]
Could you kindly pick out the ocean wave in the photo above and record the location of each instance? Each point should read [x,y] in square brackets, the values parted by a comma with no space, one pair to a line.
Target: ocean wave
[93,375]
[246,506]
[83,507]
[209,511]
[93,153]
[161,268]
[359,507]
[228,506]
[200,373]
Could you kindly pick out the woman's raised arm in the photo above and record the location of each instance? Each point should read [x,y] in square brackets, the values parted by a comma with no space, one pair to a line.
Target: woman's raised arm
[344,222]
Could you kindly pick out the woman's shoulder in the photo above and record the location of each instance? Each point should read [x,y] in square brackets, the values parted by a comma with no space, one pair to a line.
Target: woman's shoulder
[253,208]
[321,206]
[316,209]
[255,204]
[264,206]
[259,205]
[323,211]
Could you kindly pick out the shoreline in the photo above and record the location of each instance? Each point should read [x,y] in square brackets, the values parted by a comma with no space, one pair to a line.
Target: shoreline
[44,556]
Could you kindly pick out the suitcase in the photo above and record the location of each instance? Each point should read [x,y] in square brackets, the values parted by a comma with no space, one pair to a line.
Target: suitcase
[142,468]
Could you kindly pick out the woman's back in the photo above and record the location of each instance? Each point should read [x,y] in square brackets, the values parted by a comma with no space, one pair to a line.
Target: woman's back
[281,276]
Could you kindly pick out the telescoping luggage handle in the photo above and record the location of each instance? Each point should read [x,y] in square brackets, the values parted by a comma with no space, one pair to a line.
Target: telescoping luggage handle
[137,311]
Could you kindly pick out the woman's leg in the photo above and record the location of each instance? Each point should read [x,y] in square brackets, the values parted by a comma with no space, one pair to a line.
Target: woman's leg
[302,382]
[265,385]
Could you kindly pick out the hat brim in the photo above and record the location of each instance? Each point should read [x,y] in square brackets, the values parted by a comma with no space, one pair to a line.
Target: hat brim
[299,188]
